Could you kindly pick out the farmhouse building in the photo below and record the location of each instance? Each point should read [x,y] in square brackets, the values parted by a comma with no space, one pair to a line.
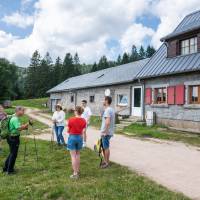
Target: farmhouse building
[118,81]
[168,83]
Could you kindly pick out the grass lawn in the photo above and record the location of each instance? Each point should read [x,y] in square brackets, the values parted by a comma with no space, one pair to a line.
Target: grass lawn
[142,131]
[32,103]
[50,179]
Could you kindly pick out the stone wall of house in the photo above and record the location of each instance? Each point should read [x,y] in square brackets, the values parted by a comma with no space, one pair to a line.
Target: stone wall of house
[180,116]
[98,93]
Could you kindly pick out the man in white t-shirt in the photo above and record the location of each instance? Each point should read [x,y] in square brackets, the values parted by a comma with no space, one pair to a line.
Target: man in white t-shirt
[86,115]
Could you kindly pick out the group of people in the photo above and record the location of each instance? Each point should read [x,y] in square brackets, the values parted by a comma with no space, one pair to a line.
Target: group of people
[77,130]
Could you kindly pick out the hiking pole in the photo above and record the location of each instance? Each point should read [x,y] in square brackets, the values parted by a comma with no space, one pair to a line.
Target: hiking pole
[35,145]
[52,138]
[25,147]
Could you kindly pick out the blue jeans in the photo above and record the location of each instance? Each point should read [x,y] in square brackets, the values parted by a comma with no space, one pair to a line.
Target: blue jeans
[59,136]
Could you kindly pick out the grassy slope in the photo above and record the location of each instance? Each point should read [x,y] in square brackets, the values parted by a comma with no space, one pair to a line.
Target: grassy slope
[33,103]
[161,133]
[51,180]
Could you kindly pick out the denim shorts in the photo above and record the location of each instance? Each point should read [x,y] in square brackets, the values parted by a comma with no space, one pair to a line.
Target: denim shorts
[75,142]
[106,141]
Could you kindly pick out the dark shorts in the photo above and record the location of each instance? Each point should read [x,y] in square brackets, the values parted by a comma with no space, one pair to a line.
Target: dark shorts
[75,142]
[106,141]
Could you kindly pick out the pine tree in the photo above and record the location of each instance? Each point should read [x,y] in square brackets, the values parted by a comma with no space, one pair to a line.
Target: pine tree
[119,60]
[150,51]
[94,67]
[68,67]
[103,63]
[45,81]
[125,58]
[142,53]
[32,75]
[134,54]
[57,72]
[77,66]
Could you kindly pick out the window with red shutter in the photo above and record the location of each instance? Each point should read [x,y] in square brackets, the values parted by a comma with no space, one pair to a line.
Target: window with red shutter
[148,96]
[160,95]
[180,94]
[171,95]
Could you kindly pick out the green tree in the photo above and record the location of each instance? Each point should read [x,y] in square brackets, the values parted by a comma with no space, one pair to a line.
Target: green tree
[31,82]
[125,58]
[119,60]
[150,51]
[68,67]
[134,54]
[8,80]
[57,71]
[142,53]
[94,67]
[77,65]
[103,63]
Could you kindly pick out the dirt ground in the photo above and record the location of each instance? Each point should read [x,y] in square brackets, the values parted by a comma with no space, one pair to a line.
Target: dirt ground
[171,164]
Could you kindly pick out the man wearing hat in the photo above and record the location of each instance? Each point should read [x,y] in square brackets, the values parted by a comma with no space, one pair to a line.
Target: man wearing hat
[59,124]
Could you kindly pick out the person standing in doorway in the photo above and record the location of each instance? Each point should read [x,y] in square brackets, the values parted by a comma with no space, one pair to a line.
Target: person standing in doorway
[86,115]
[3,116]
[13,139]
[59,124]
[76,128]
[107,129]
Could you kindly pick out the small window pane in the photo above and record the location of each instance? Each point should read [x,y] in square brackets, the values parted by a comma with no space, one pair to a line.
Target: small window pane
[122,99]
[92,99]
[192,41]
[194,94]
[160,95]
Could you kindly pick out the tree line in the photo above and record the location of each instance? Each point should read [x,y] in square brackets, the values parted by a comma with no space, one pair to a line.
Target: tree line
[43,74]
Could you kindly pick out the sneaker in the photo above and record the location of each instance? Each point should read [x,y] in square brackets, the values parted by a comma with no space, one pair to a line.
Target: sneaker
[74,176]
[104,165]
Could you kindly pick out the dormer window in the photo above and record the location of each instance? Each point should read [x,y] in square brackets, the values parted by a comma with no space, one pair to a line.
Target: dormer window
[189,46]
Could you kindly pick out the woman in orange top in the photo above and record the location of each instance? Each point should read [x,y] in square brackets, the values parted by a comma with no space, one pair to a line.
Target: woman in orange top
[76,129]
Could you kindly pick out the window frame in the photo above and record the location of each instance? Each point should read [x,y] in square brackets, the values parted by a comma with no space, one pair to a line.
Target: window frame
[118,100]
[92,98]
[72,98]
[193,102]
[155,95]
[191,47]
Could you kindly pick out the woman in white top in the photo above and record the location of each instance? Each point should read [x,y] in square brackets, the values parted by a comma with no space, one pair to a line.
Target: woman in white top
[59,124]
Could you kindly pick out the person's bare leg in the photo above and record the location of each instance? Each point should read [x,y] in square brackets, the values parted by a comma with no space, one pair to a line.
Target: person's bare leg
[73,159]
[107,155]
[78,162]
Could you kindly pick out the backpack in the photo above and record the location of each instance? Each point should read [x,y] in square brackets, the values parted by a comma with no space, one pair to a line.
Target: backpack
[4,127]
[98,148]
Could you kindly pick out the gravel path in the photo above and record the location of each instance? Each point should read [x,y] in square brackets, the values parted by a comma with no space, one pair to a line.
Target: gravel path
[171,164]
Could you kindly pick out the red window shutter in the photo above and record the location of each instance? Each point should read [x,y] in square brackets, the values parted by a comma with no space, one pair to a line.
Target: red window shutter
[171,95]
[148,96]
[180,94]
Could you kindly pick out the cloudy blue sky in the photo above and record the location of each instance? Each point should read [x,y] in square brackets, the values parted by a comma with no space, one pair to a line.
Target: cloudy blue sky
[91,28]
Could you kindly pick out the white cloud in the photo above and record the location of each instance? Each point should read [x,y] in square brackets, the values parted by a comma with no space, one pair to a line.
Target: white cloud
[19,19]
[62,26]
[81,26]
[135,34]
[171,12]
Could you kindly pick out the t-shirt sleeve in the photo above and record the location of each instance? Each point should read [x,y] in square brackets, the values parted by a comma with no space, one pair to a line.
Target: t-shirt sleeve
[107,113]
